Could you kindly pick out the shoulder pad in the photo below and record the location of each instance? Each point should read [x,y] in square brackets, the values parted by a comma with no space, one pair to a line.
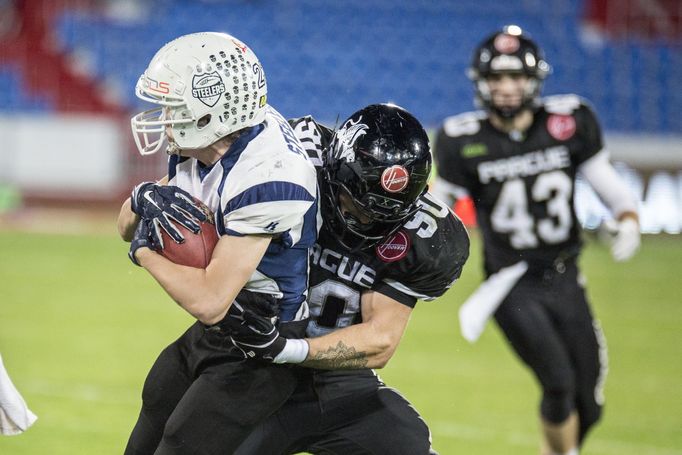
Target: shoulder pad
[464,124]
[439,249]
[314,137]
[562,104]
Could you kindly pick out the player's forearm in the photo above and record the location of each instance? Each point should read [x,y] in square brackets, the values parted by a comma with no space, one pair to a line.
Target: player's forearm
[357,346]
[127,221]
[191,288]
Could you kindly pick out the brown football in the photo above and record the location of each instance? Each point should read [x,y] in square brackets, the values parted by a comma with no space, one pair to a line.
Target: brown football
[197,249]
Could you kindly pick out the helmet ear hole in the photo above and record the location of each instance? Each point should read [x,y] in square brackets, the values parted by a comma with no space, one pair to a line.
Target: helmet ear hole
[203,121]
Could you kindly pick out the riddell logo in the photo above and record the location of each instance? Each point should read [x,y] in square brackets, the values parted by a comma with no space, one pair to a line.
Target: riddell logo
[242,47]
[561,127]
[394,179]
[506,44]
[395,248]
[207,88]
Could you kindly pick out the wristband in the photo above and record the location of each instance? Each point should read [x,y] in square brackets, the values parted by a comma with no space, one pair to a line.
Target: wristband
[134,195]
[295,351]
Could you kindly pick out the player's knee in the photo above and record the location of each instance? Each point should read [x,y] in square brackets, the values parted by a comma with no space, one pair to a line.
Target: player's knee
[557,404]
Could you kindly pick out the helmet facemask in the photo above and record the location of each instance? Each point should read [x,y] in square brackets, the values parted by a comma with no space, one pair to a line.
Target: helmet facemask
[529,96]
[360,224]
[149,127]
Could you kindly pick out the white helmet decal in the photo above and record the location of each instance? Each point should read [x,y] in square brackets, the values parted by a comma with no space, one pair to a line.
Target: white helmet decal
[349,133]
[207,88]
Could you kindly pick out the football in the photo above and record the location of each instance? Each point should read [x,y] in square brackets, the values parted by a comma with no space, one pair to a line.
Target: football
[197,249]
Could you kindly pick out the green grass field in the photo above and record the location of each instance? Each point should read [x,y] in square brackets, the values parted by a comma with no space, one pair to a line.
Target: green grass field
[80,327]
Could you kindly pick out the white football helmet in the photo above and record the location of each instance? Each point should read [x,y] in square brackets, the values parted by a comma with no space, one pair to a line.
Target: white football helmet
[207,85]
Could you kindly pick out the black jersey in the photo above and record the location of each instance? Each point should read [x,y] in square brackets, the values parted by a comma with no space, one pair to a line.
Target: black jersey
[522,185]
[420,261]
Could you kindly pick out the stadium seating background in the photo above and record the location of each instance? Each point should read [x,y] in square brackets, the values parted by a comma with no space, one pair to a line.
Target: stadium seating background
[327,58]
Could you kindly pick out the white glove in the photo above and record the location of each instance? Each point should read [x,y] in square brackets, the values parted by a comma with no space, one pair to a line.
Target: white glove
[480,306]
[626,239]
[15,417]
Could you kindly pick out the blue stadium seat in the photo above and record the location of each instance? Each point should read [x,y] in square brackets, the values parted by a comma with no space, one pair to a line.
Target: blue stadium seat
[329,58]
[14,96]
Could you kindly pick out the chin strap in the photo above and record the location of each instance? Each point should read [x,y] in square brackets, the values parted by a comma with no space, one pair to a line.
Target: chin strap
[173,148]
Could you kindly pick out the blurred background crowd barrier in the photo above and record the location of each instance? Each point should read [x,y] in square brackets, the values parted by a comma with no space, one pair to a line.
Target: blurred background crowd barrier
[68,71]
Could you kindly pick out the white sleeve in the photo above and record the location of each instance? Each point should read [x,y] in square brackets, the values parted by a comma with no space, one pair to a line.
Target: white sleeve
[446,191]
[609,186]
[268,208]
[267,218]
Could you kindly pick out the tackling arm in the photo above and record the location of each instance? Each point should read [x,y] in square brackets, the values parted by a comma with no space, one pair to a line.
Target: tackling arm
[370,344]
[207,294]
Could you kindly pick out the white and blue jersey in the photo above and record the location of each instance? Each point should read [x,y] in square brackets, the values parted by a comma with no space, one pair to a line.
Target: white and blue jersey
[264,184]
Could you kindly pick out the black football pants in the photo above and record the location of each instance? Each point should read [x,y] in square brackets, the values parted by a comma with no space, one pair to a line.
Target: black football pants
[202,397]
[547,320]
[353,414]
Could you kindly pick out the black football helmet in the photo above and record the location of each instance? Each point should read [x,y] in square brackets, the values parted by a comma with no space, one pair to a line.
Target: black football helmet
[509,50]
[379,161]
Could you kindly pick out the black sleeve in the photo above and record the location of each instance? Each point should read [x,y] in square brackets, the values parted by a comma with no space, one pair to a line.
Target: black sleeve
[432,264]
[395,294]
[590,133]
[314,136]
[447,154]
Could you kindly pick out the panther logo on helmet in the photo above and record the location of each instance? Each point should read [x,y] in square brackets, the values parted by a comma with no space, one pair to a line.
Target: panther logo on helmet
[349,133]
[207,88]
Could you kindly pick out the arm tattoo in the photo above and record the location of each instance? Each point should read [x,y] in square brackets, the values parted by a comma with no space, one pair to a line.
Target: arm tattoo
[339,357]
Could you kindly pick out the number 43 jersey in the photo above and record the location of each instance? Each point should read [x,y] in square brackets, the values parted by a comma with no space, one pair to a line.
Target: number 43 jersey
[420,261]
[522,184]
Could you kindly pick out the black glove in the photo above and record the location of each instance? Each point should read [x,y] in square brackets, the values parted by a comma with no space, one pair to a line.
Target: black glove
[162,204]
[143,238]
[260,303]
[254,334]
